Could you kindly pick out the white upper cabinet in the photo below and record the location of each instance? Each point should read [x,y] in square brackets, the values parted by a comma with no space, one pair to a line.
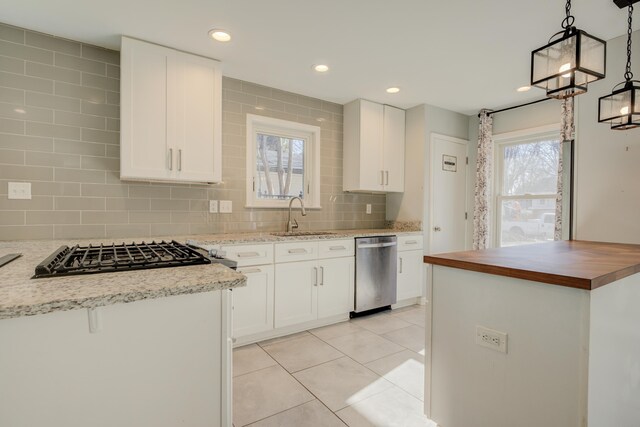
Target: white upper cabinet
[171,115]
[373,157]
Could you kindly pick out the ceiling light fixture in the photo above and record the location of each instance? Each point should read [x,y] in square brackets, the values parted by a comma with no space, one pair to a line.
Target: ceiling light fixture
[524,89]
[569,62]
[321,68]
[220,35]
[619,108]
[393,90]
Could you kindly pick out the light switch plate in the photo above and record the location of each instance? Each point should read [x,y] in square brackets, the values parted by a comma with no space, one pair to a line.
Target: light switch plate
[368,208]
[19,190]
[213,206]
[226,206]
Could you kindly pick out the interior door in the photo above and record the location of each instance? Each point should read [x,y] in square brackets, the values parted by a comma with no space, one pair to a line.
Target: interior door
[448,194]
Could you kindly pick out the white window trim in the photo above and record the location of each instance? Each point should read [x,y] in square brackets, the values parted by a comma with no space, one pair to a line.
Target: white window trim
[310,133]
[513,138]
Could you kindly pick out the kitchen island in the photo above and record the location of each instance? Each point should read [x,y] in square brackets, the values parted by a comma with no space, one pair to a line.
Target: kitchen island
[542,334]
[72,353]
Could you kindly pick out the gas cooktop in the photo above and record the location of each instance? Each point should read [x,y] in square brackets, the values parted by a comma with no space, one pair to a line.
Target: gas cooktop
[118,257]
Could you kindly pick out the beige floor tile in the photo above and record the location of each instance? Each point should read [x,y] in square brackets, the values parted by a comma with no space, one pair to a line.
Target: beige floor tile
[312,414]
[301,353]
[284,338]
[412,337]
[337,330]
[380,323]
[341,382]
[250,358]
[414,316]
[364,346]
[266,392]
[391,408]
[404,369]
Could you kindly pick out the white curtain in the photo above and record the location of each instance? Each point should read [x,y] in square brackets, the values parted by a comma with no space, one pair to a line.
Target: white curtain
[484,165]
[567,132]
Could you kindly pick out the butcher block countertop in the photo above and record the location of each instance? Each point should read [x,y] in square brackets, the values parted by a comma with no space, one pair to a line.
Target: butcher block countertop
[576,264]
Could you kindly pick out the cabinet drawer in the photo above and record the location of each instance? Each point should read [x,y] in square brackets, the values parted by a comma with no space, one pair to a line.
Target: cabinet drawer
[296,251]
[336,248]
[249,254]
[410,243]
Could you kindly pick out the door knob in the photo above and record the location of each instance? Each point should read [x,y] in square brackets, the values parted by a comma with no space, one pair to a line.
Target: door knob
[436,228]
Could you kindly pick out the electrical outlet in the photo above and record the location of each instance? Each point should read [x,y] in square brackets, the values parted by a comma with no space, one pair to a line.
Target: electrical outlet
[226,206]
[213,206]
[489,338]
[19,190]
[368,208]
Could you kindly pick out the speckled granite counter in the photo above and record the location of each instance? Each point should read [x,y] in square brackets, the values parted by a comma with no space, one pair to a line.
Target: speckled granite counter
[239,238]
[22,296]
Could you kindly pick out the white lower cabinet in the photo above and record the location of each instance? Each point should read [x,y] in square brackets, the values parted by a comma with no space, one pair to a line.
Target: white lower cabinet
[335,293]
[410,265]
[253,304]
[296,293]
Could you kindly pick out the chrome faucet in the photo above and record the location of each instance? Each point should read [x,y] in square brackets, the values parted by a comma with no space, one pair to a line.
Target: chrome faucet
[291,224]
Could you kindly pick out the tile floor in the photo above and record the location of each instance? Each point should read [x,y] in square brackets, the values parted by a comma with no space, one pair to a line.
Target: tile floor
[365,372]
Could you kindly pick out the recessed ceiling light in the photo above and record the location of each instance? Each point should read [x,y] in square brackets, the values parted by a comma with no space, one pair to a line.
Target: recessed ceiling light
[393,90]
[321,68]
[220,35]
[523,88]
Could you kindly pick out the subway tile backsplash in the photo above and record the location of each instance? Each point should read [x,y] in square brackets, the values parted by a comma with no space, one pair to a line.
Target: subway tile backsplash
[59,130]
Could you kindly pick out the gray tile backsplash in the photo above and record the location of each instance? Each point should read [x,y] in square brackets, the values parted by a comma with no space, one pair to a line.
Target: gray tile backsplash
[59,130]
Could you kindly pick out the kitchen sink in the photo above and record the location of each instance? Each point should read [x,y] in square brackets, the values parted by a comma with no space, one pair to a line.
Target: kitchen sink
[302,233]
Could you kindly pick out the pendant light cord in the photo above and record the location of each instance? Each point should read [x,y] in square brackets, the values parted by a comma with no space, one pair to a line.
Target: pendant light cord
[568,21]
[628,75]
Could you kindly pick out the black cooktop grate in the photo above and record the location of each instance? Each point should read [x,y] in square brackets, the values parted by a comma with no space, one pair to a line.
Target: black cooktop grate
[123,257]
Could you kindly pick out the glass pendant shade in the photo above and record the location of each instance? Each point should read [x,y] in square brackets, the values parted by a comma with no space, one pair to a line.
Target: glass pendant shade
[565,66]
[621,108]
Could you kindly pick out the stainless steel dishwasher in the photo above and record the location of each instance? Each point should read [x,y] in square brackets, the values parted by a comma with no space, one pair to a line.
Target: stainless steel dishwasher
[376,280]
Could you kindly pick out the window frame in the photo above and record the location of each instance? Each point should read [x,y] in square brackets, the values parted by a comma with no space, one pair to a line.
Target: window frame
[285,128]
[514,138]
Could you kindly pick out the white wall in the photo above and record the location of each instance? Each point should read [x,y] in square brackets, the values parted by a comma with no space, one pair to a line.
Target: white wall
[608,161]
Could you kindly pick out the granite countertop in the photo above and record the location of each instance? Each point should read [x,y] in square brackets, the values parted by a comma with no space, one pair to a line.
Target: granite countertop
[266,237]
[576,264]
[22,296]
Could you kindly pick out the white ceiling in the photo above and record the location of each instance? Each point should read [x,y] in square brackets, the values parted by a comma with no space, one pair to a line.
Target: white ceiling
[462,55]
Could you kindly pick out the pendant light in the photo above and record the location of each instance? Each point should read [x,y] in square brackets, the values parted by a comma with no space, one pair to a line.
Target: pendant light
[621,108]
[569,62]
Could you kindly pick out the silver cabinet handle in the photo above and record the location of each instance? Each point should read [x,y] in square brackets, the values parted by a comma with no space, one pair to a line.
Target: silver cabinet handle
[387,177]
[337,248]
[411,242]
[437,228]
[170,159]
[248,254]
[321,276]
[375,245]
[179,159]
[297,251]
[250,270]
[381,177]
[400,265]
[315,283]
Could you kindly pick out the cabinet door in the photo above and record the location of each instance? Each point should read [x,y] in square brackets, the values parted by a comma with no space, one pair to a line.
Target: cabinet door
[144,149]
[410,267]
[194,117]
[253,304]
[336,283]
[296,293]
[393,143]
[371,137]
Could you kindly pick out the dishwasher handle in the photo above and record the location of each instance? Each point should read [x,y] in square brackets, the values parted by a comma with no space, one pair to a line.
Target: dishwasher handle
[376,245]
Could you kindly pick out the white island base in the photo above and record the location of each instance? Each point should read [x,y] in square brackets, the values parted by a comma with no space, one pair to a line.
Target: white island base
[162,362]
[572,360]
